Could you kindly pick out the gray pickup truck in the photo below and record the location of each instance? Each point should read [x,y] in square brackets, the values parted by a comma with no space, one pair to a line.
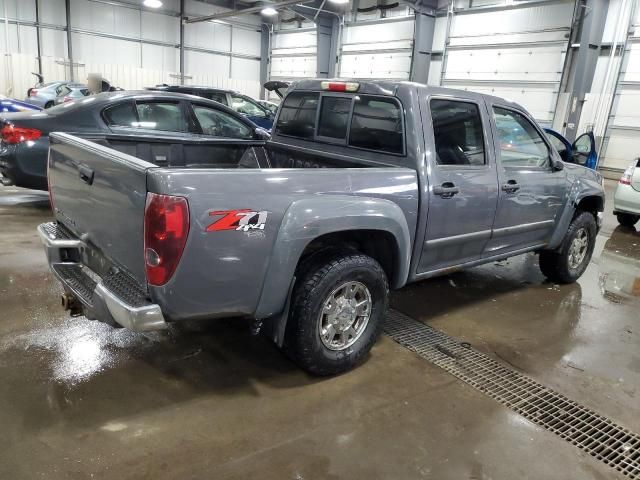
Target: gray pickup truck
[363,187]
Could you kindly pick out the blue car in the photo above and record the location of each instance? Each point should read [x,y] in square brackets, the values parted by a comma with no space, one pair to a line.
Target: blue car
[9,105]
[247,106]
[582,151]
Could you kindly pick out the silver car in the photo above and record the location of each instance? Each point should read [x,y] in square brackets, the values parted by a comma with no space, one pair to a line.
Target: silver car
[626,200]
[69,92]
[45,96]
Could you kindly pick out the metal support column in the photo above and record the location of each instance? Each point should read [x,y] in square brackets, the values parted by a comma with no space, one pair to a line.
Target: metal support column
[593,19]
[265,52]
[422,46]
[327,43]
[67,5]
[38,42]
[182,19]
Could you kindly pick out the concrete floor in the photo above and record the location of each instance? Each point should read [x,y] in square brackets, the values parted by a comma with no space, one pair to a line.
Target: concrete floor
[79,399]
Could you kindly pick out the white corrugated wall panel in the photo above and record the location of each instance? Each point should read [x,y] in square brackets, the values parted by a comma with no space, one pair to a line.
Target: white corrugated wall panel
[246,41]
[161,27]
[245,69]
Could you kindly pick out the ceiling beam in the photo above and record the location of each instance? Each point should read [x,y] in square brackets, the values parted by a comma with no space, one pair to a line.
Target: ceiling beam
[244,11]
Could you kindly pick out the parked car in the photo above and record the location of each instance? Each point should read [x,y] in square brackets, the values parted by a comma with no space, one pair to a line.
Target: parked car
[10,105]
[45,95]
[418,185]
[581,152]
[272,107]
[24,137]
[626,200]
[67,93]
[247,106]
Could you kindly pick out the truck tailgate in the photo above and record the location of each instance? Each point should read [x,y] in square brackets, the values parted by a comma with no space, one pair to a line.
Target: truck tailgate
[99,194]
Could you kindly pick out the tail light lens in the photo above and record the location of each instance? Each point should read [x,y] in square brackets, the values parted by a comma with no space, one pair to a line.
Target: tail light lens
[627,175]
[340,86]
[166,227]
[67,99]
[33,92]
[13,135]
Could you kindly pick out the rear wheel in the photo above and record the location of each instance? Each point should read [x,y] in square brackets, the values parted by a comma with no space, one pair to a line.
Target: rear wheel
[337,312]
[627,219]
[48,105]
[568,263]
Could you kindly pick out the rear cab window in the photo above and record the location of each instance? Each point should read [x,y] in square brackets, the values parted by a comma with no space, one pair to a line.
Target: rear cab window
[361,121]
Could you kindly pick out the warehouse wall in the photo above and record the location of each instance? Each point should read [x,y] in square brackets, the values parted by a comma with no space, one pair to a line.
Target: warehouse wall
[120,41]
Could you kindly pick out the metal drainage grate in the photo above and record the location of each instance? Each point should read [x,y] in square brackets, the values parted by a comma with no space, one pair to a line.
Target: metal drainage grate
[598,436]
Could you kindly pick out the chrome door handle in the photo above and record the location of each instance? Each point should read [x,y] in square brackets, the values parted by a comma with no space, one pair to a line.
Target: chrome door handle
[446,190]
[511,186]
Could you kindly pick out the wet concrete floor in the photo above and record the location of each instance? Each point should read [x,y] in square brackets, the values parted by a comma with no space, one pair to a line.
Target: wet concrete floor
[79,399]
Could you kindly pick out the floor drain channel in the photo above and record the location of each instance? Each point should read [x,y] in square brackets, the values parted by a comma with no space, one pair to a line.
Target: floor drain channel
[598,436]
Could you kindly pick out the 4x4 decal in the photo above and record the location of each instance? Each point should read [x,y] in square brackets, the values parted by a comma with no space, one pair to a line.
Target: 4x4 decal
[242,220]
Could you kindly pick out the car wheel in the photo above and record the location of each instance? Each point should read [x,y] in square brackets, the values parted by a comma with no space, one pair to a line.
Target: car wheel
[627,219]
[570,260]
[48,105]
[337,312]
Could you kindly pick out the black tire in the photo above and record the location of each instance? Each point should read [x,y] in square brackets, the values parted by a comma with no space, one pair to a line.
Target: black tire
[555,264]
[627,219]
[48,105]
[317,279]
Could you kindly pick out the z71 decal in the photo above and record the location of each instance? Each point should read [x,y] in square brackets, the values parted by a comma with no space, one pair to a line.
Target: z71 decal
[240,220]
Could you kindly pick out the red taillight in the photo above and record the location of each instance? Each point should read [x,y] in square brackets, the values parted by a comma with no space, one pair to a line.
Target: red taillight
[12,135]
[166,227]
[627,175]
[67,99]
[33,92]
[340,86]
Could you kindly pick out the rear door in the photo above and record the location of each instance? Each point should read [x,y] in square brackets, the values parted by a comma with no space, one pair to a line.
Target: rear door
[531,191]
[463,184]
[158,117]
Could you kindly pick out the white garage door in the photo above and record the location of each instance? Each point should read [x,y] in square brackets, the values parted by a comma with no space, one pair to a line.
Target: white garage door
[516,53]
[379,49]
[293,54]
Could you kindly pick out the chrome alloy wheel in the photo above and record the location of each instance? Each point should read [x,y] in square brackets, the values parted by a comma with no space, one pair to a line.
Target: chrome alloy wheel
[345,315]
[578,248]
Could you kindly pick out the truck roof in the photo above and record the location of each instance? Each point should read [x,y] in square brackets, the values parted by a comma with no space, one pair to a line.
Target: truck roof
[393,87]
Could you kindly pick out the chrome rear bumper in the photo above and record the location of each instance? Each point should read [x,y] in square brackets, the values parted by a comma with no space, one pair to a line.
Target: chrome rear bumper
[112,300]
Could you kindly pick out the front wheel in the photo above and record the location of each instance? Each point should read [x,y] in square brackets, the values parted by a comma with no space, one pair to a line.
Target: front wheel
[337,312]
[627,219]
[568,263]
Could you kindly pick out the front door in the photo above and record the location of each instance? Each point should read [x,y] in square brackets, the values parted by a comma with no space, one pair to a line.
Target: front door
[463,184]
[531,190]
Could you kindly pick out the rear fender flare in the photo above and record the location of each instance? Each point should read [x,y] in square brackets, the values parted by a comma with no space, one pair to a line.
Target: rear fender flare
[308,219]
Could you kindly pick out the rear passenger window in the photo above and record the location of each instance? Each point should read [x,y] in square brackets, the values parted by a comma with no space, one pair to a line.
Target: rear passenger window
[376,124]
[457,130]
[122,115]
[334,117]
[298,115]
[163,116]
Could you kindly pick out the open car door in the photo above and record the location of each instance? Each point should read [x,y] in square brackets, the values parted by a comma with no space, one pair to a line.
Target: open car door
[581,152]
[584,150]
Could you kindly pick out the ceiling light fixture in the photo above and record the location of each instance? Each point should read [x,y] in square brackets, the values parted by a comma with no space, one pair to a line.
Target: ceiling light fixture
[152,3]
[340,2]
[269,11]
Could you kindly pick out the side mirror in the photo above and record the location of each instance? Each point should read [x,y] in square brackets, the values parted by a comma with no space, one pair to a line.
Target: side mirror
[261,134]
[557,165]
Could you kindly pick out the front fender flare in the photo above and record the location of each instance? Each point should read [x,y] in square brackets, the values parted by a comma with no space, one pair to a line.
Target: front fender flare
[310,218]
